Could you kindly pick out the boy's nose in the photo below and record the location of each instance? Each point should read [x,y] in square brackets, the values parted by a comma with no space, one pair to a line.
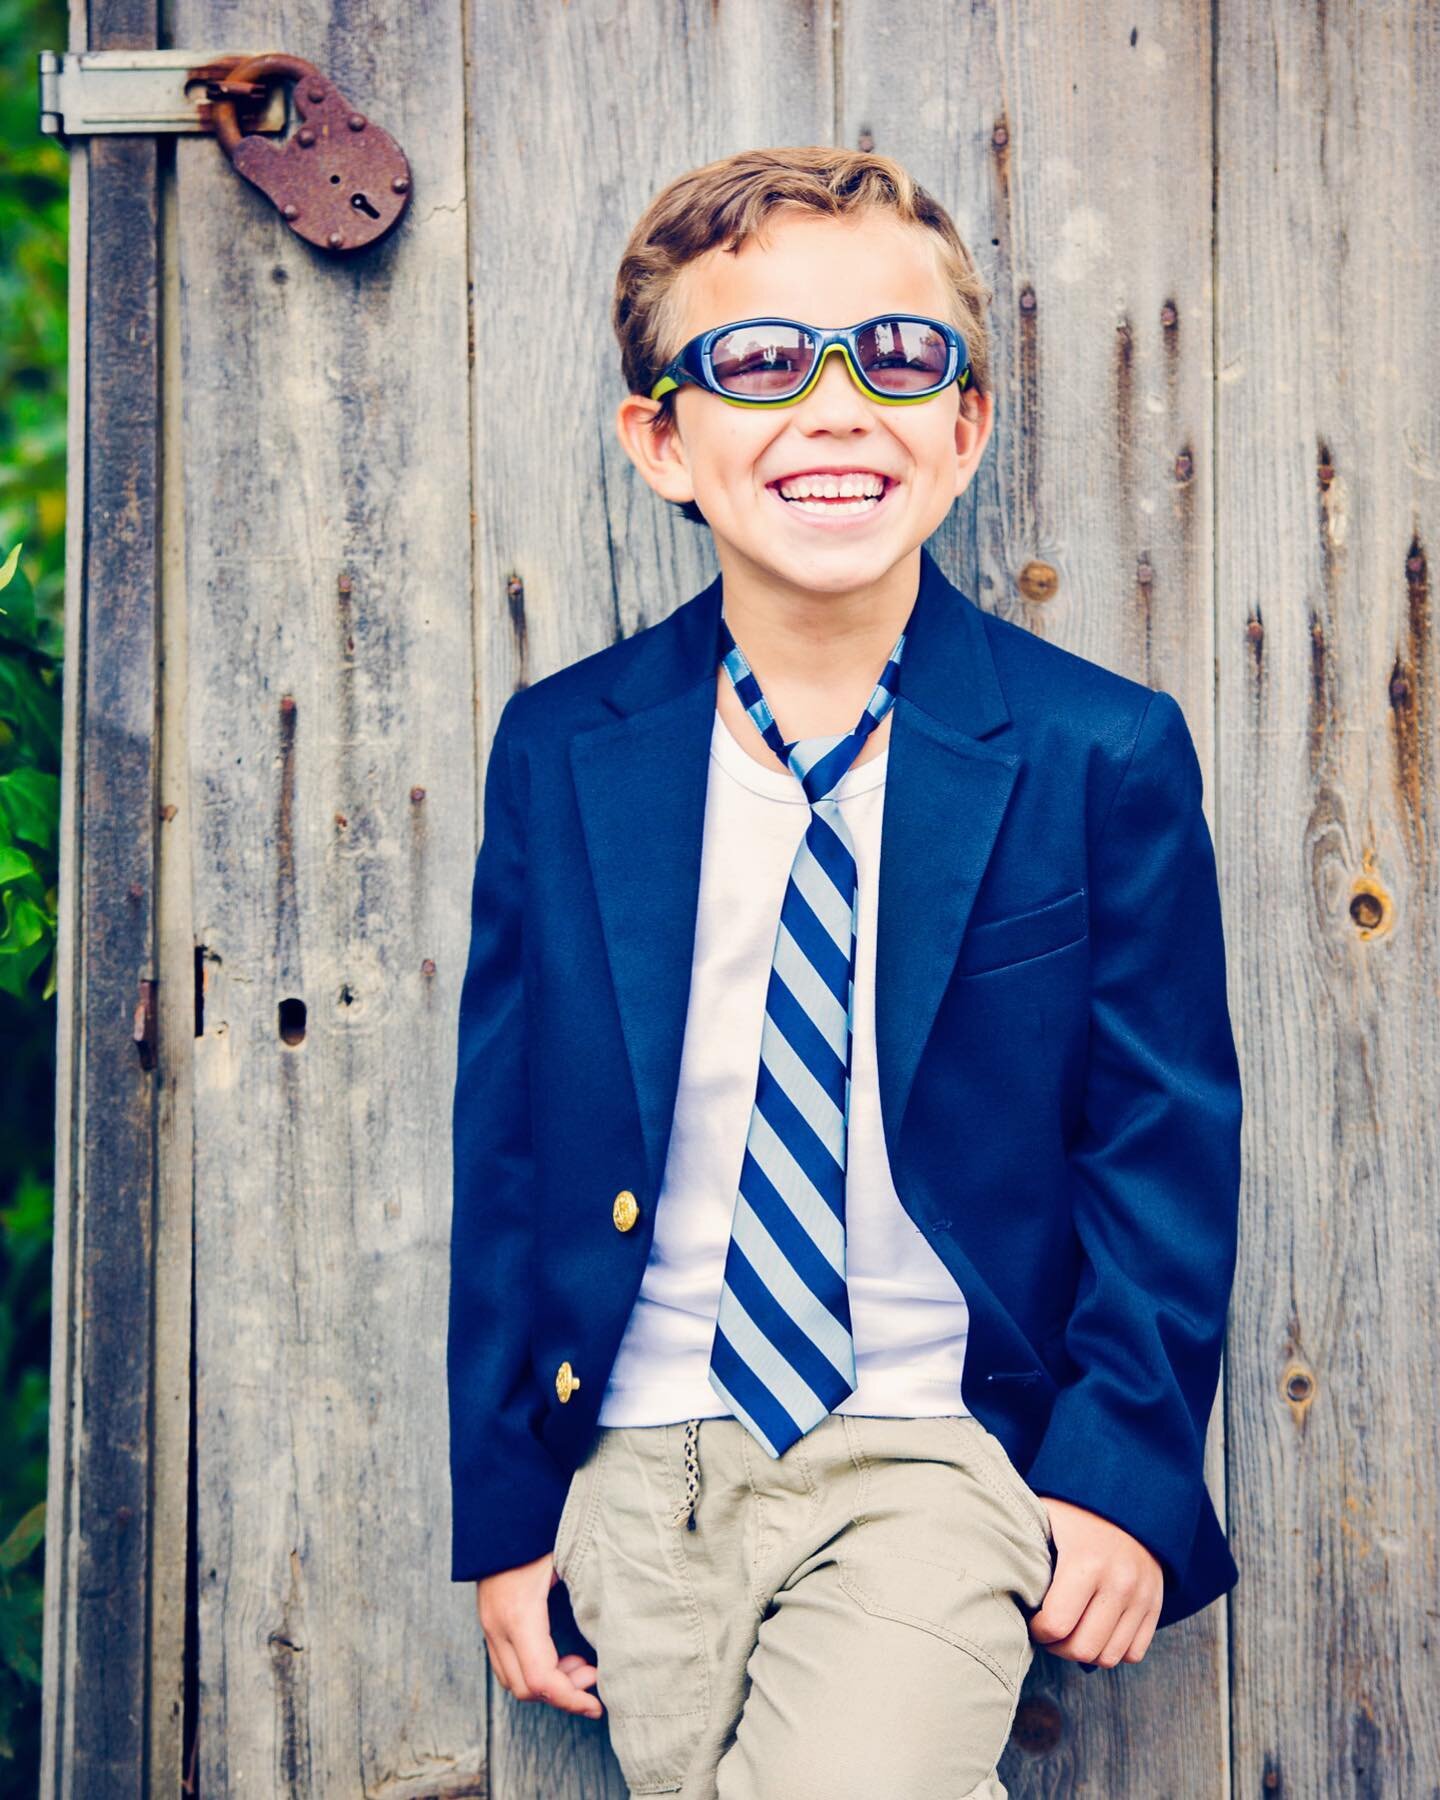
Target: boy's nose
[836,378]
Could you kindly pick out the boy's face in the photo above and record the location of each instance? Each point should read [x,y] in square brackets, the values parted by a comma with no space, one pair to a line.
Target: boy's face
[729,459]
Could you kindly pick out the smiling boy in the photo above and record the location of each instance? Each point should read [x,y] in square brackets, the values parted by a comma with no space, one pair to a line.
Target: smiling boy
[847,1113]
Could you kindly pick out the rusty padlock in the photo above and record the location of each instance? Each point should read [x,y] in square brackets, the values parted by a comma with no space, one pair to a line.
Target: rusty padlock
[339,180]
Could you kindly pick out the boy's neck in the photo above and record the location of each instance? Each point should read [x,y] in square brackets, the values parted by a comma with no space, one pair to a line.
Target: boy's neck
[817,656]
[803,641]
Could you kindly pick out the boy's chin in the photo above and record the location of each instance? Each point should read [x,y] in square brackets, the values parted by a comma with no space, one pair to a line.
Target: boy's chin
[830,564]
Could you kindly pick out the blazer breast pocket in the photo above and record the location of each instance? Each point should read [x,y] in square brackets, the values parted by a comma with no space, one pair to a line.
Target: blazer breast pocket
[991,944]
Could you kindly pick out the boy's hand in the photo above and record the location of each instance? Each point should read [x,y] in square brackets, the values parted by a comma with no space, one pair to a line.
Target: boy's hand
[1105,1594]
[514,1615]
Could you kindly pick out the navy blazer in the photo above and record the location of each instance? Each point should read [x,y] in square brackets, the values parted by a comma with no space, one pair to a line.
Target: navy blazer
[1058,1079]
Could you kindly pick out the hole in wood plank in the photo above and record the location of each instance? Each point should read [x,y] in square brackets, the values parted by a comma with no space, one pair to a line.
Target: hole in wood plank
[292,1021]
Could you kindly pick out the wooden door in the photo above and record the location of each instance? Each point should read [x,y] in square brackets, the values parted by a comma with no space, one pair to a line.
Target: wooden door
[329,527]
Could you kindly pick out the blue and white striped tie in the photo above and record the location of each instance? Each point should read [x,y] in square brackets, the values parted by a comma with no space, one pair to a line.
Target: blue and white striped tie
[783,1355]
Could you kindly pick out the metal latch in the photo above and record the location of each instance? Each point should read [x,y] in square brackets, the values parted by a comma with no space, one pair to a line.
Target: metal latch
[86,93]
[340,181]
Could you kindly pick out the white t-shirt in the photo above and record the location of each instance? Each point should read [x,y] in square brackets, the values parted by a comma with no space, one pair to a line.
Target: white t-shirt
[909,1317]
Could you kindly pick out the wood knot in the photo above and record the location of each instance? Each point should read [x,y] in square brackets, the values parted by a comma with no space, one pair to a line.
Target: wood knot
[1371,909]
[1038,580]
[1298,1386]
[1039,1726]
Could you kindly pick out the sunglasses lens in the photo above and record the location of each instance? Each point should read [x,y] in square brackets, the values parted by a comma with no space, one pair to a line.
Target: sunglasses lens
[904,355]
[771,360]
[764,361]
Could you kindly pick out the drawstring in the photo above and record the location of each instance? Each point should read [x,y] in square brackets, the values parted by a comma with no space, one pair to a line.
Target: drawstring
[685,1514]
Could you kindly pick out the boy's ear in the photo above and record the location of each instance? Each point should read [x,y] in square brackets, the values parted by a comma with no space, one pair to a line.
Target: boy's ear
[972,432]
[658,454]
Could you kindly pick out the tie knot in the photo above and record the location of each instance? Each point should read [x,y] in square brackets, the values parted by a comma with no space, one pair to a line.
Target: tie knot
[820,763]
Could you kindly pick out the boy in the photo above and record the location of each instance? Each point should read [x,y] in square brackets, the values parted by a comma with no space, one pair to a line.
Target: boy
[842,1242]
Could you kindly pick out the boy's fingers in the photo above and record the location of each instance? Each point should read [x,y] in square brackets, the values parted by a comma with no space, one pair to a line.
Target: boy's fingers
[1142,1638]
[504,1662]
[509,1663]
[1058,1613]
[1118,1644]
[583,1674]
[1090,1635]
[543,1676]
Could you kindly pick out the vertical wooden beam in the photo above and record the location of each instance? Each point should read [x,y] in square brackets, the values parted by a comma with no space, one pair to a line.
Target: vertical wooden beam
[1329,507]
[99,1544]
[329,814]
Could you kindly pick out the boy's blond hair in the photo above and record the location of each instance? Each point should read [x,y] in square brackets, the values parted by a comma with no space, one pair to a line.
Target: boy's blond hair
[728,202]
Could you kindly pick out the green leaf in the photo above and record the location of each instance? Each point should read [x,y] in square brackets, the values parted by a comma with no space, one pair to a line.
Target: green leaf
[14,864]
[30,798]
[8,567]
[25,924]
[23,1540]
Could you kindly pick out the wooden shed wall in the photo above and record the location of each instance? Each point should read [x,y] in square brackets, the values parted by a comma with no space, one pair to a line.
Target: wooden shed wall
[1209,231]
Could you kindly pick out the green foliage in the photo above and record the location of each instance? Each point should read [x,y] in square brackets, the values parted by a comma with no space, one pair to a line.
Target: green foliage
[25,1235]
[29,795]
[20,1625]
[34,214]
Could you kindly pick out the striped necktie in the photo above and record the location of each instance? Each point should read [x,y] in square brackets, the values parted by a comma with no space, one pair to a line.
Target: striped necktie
[783,1355]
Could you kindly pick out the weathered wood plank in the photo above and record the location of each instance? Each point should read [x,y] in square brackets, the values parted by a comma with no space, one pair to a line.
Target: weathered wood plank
[588,110]
[1089,522]
[172,1683]
[99,1533]
[579,115]
[1329,453]
[332,812]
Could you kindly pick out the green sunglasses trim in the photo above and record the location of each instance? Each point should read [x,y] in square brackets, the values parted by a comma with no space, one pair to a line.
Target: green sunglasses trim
[693,363]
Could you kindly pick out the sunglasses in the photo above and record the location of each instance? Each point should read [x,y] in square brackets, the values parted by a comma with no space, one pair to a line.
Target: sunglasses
[896,358]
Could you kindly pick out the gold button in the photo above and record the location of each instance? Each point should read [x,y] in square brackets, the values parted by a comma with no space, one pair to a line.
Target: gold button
[625,1211]
[566,1382]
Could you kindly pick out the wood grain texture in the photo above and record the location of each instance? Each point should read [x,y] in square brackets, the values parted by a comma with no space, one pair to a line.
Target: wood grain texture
[332,809]
[172,1696]
[99,1513]
[1328,452]
[1072,148]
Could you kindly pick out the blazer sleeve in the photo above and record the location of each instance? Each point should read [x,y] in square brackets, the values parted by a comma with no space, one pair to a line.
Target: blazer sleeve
[507,1490]
[1155,1164]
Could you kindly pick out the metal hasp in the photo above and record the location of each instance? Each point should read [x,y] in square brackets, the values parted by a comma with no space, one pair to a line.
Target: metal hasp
[108,93]
[340,181]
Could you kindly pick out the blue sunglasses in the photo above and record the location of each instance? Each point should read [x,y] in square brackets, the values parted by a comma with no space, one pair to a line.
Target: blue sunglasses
[896,358]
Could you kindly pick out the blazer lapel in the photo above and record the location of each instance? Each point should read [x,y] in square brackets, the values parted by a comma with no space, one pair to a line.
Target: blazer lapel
[640,781]
[945,797]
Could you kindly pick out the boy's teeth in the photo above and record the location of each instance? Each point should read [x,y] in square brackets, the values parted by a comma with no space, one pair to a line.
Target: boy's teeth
[866,503]
[832,487]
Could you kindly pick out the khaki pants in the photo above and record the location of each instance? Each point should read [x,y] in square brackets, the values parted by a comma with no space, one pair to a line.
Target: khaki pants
[848,1622]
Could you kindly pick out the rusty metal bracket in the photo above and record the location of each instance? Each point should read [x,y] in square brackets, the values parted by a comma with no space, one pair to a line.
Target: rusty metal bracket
[340,181]
[144,1026]
[107,93]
